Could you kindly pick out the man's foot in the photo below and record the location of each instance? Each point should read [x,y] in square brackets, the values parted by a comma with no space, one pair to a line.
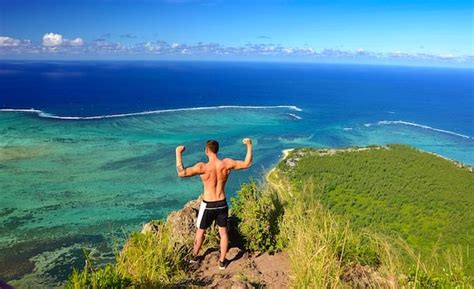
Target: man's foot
[222,265]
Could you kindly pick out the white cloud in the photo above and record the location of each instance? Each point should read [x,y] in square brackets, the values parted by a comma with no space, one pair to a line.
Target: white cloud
[76,42]
[8,41]
[52,39]
[57,44]
[446,56]
[56,39]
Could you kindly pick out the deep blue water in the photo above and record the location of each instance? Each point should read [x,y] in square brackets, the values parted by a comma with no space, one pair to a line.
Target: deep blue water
[438,97]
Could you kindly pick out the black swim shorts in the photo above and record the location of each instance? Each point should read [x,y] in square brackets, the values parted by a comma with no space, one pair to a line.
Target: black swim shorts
[212,211]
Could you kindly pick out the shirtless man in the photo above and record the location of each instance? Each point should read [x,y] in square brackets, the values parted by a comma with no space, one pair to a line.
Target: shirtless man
[214,176]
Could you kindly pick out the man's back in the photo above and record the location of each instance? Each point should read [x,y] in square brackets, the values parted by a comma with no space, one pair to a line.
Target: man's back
[214,179]
[215,172]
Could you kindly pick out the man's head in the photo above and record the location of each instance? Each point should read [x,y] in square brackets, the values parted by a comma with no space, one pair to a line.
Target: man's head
[212,147]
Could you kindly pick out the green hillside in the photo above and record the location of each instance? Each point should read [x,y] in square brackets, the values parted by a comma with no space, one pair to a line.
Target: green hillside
[397,190]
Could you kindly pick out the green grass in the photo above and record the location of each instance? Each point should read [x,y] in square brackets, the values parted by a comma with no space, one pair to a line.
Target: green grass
[399,192]
[106,277]
[425,199]
[146,261]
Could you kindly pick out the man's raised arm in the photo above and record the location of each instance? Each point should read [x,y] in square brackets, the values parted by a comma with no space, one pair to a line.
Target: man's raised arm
[186,172]
[245,164]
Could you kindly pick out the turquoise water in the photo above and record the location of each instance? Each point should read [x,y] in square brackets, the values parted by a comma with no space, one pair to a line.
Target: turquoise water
[69,183]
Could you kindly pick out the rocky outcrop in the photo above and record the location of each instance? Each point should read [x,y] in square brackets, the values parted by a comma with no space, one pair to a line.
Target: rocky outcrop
[359,276]
[181,223]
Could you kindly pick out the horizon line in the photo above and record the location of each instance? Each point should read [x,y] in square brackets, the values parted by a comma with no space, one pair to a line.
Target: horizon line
[262,61]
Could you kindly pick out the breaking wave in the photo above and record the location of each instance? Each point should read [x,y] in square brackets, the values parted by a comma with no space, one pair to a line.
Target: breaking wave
[294,116]
[41,113]
[401,122]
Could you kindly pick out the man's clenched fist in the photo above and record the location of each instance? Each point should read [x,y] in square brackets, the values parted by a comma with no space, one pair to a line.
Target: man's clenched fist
[180,149]
[247,141]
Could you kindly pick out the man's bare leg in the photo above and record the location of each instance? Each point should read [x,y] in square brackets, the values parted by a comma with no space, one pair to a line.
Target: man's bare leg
[198,241]
[224,242]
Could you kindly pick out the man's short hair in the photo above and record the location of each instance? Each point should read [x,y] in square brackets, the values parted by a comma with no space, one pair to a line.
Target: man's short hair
[213,146]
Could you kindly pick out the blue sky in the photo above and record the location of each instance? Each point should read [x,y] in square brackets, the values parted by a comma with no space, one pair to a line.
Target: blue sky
[426,32]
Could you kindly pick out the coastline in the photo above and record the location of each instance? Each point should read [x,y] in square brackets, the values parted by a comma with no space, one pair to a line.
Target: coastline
[331,151]
[285,154]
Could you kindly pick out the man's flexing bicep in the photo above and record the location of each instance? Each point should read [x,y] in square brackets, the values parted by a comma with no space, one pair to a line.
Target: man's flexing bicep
[235,164]
[241,165]
[182,171]
[197,169]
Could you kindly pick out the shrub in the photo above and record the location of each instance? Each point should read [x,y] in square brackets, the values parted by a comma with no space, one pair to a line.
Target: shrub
[259,212]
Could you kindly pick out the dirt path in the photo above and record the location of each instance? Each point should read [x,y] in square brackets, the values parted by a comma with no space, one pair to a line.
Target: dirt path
[244,270]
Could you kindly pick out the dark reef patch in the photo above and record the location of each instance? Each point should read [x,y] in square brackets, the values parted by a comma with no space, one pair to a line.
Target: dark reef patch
[146,161]
[13,222]
[158,204]
[16,262]
[6,211]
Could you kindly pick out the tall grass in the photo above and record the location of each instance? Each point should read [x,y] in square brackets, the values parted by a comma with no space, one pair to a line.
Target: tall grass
[146,261]
[324,249]
[151,259]
[106,277]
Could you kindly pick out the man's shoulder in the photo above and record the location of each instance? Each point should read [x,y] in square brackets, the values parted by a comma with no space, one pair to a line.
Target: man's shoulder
[228,160]
[228,163]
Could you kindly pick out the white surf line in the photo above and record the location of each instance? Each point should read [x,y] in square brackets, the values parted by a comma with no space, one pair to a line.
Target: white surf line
[294,116]
[48,115]
[20,110]
[388,122]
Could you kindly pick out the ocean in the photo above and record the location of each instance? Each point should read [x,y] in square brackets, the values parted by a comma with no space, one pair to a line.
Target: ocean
[87,148]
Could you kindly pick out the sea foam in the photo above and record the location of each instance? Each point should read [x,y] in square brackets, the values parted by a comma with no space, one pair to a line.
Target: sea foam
[414,124]
[49,115]
[294,116]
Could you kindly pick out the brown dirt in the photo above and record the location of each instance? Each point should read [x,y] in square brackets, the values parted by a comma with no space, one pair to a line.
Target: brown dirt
[244,270]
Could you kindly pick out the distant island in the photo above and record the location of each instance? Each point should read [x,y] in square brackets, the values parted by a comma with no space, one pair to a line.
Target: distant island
[362,217]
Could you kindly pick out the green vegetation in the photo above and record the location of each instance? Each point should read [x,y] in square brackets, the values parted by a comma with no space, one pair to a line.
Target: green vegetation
[258,217]
[397,190]
[355,218]
[321,249]
[106,277]
[146,261]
